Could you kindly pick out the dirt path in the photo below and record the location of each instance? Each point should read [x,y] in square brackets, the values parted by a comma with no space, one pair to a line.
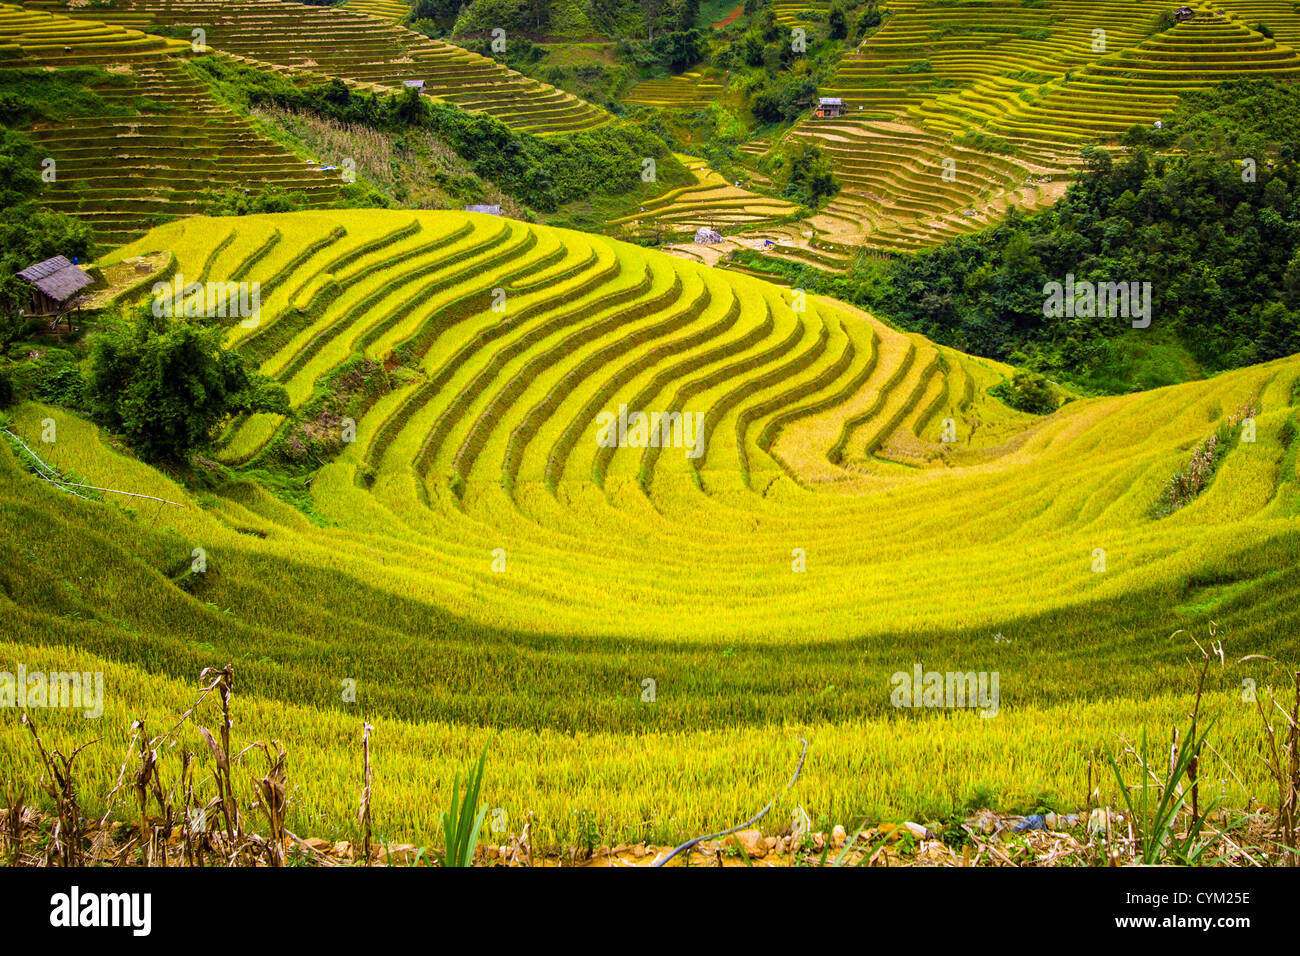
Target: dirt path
[730,18]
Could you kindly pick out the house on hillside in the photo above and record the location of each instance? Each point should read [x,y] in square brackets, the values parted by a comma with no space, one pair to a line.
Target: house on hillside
[414,84]
[1183,14]
[829,107]
[487,210]
[55,286]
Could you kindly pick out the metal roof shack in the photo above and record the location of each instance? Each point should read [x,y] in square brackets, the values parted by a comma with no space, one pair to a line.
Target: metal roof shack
[414,84]
[830,106]
[490,210]
[55,284]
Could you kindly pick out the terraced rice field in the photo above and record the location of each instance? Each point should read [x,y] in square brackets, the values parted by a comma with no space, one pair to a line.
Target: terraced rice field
[1045,79]
[639,635]
[800,13]
[711,201]
[340,42]
[123,173]
[394,10]
[682,91]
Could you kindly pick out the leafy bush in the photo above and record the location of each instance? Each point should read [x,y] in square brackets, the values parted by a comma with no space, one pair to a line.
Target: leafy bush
[234,202]
[439,14]
[60,381]
[1027,392]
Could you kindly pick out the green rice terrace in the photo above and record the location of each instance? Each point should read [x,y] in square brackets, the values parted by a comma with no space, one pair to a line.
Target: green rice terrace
[1040,80]
[356,47]
[634,408]
[489,571]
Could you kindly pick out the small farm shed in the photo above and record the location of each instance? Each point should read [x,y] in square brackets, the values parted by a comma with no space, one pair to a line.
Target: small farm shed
[1184,13]
[55,284]
[830,106]
[414,84]
[489,210]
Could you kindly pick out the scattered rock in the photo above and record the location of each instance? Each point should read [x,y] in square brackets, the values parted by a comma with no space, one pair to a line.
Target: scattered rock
[396,855]
[838,836]
[1097,820]
[751,841]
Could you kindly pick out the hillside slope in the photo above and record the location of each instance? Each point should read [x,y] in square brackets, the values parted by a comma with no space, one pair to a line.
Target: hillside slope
[165,144]
[480,559]
[338,42]
[956,110]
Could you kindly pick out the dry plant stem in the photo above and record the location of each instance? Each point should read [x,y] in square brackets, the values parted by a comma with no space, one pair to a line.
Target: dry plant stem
[62,789]
[363,815]
[221,754]
[157,743]
[14,810]
[740,826]
[1283,763]
[271,790]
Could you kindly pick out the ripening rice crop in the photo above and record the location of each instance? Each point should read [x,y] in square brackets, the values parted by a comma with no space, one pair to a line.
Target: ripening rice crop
[955,110]
[497,553]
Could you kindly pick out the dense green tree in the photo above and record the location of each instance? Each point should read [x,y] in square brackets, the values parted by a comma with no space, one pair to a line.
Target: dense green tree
[806,174]
[869,19]
[166,385]
[838,22]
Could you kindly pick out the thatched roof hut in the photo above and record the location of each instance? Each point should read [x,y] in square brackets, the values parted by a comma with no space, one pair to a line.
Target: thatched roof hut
[55,283]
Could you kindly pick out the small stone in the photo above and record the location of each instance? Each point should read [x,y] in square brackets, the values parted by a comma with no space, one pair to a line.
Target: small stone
[838,836]
[751,841]
[396,855]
